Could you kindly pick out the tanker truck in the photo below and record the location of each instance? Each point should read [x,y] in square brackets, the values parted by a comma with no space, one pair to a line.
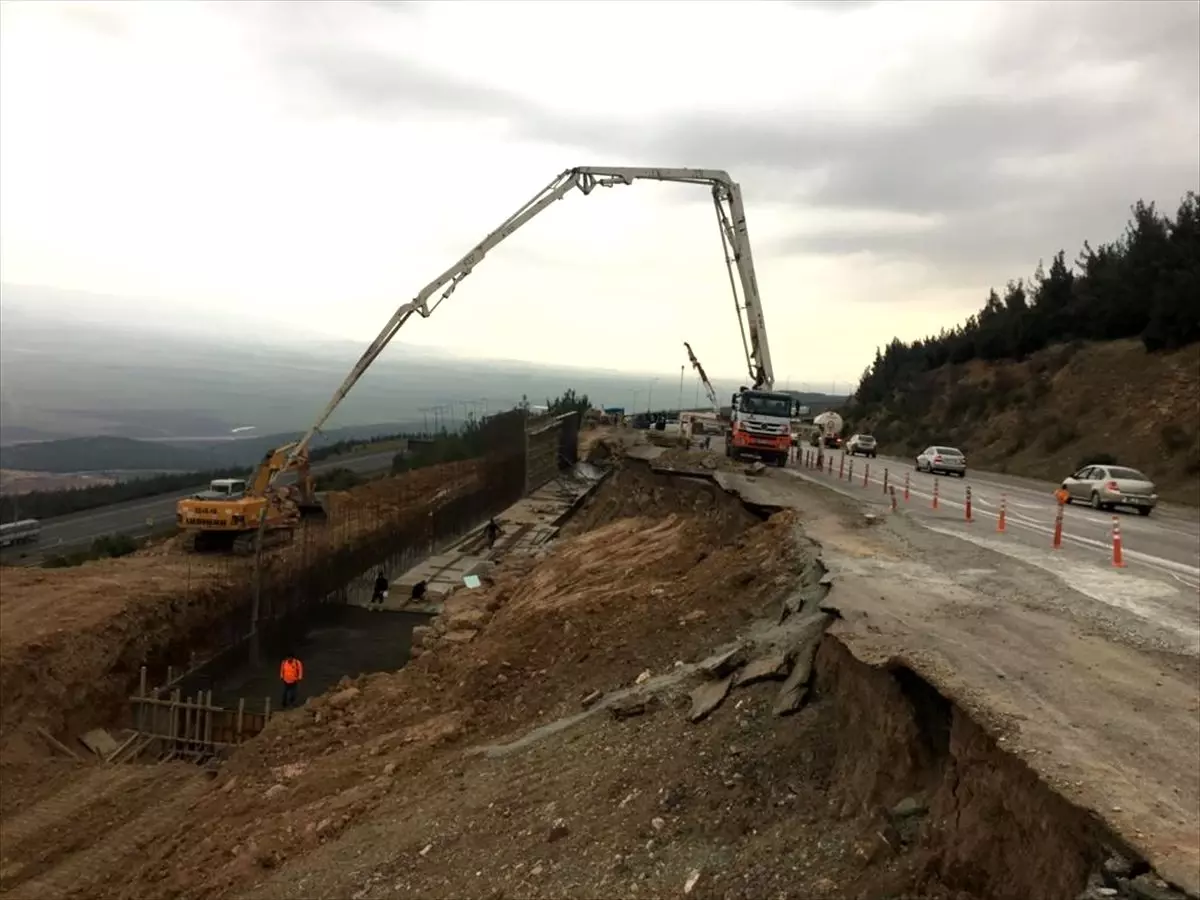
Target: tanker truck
[829,430]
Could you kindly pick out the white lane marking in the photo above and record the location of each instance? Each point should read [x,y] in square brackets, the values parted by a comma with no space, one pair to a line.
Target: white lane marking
[1076,539]
[1110,587]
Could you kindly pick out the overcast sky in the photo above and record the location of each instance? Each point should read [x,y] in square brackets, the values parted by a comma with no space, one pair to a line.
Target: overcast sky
[315,164]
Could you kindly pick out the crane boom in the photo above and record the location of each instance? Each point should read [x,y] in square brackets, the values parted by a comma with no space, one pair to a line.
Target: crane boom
[708,388]
[731,216]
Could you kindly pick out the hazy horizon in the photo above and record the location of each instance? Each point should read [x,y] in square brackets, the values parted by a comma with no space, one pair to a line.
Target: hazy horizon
[65,377]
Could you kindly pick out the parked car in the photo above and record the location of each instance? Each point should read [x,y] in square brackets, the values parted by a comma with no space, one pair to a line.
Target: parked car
[1106,487]
[946,460]
[862,444]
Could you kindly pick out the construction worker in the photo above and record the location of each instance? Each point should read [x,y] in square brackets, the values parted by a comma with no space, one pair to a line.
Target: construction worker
[381,591]
[418,592]
[291,673]
[493,531]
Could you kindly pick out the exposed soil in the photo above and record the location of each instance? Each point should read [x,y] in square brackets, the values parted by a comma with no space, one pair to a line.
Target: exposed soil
[477,772]
[1040,417]
[72,640]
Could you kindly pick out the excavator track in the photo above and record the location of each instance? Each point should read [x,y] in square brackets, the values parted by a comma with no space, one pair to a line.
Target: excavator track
[244,544]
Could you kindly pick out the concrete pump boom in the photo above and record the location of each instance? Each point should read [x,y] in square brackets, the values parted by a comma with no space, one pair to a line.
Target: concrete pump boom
[708,388]
[731,216]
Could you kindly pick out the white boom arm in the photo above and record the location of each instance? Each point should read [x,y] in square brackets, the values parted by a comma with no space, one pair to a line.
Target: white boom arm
[708,388]
[731,215]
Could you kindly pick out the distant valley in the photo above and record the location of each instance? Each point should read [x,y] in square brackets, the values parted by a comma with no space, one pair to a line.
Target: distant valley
[99,393]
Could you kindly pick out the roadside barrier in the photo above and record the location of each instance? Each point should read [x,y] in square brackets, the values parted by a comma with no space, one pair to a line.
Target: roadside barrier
[967,507]
[885,483]
[831,464]
[1118,554]
[935,492]
[893,494]
[841,466]
[866,473]
[906,478]
[1058,526]
[850,470]
[1002,521]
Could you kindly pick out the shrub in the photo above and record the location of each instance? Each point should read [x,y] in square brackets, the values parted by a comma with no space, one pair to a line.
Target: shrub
[1174,437]
[1059,435]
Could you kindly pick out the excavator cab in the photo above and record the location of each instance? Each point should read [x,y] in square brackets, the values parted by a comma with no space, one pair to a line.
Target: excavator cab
[223,489]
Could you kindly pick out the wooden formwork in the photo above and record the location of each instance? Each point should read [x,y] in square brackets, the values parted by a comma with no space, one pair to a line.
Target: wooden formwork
[172,726]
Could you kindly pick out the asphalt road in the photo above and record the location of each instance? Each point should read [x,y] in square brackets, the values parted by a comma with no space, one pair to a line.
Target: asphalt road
[1167,541]
[139,517]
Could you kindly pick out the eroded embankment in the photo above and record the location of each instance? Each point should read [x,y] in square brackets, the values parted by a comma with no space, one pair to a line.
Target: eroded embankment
[552,749]
[979,819]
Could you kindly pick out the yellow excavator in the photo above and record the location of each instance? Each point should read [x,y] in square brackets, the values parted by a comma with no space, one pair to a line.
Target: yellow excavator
[229,515]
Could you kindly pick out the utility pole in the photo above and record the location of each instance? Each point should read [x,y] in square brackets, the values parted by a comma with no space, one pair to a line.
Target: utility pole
[680,410]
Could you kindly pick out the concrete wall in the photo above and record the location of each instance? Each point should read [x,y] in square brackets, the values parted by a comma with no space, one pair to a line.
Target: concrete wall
[550,446]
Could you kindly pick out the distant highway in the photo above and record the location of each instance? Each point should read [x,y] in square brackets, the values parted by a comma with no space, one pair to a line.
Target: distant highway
[140,517]
[1168,540]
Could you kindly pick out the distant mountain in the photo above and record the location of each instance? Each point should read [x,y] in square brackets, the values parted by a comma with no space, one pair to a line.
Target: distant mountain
[93,454]
[105,368]
[110,454]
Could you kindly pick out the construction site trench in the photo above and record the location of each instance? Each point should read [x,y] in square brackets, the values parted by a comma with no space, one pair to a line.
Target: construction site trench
[647,705]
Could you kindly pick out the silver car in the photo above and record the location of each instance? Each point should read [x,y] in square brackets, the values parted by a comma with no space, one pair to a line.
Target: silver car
[862,443]
[1106,487]
[946,460]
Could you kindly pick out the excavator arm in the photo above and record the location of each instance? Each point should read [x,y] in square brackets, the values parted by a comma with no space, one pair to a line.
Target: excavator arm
[708,388]
[739,261]
[282,459]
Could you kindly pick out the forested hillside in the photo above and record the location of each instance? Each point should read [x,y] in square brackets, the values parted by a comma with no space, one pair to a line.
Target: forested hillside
[1100,356]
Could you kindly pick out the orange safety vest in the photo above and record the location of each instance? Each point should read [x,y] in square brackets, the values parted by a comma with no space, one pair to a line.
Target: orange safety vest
[291,670]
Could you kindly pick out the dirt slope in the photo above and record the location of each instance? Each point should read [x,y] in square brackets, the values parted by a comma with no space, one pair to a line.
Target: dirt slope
[72,640]
[1042,416]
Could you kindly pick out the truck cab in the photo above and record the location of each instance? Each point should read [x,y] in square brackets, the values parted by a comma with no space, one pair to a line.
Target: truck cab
[761,425]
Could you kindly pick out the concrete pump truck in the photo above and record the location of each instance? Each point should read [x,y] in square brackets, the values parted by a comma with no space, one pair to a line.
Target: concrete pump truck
[760,419]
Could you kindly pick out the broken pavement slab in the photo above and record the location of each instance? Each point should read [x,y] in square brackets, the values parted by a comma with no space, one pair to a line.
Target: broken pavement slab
[795,689]
[708,696]
[721,664]
[763,668]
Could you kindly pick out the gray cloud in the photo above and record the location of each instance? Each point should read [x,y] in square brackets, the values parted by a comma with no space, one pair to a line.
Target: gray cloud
[1005,171]
[1003,176]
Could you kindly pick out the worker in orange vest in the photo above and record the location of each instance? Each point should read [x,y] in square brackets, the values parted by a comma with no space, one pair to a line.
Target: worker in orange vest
[291,672]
